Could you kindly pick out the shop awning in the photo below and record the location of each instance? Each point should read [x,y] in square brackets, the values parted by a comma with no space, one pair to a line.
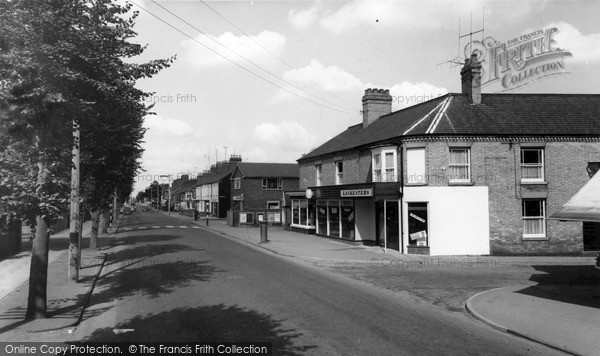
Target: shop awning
[583,206]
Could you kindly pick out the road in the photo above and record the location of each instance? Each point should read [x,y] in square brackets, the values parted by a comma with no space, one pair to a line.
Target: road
[174,281]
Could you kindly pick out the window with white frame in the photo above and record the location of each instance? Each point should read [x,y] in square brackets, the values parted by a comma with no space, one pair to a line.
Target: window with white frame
[339,172]
[460,165]
[532,164]
[384,165]
[377,167]
[273,205]
[272,183]
[319,174]
[415,166]
[237,183]
[534,218]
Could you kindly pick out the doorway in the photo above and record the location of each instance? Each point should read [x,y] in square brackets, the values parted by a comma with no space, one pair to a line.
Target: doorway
[591,236]
[387,229]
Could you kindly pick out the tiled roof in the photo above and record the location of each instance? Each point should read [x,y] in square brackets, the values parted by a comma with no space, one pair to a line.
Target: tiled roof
[216,174]
[497,115]
[268,170]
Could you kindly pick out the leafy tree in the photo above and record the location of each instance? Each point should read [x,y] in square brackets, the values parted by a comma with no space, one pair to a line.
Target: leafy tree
[63,62]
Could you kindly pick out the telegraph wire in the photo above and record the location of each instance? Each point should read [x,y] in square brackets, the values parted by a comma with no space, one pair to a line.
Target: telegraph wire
[273,54]
[246,59]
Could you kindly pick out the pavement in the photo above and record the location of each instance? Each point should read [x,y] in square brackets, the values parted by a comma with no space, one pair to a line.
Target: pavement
[564,317]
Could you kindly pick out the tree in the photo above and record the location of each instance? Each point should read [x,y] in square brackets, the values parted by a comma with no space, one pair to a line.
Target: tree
[63,61]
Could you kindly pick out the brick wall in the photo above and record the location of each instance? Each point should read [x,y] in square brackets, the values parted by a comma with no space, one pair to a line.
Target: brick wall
[497,165]
[256,198]
[357,169]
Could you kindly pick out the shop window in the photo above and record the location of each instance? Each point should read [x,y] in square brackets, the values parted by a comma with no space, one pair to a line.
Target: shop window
[301,215]
[322,217]
[333,212]
[417,224]
[237,183]
[319,174]
[534,218]
[272,183]
[415,166]
[347,219]
[532,165]
[460,165]
[339,172]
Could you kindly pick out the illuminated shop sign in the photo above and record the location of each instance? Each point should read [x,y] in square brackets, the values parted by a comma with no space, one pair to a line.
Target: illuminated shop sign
[519,61]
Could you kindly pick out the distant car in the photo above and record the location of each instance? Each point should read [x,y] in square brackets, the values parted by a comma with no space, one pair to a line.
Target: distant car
[127,210]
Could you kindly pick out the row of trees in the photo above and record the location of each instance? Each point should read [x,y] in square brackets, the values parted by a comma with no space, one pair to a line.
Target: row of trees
[66,64]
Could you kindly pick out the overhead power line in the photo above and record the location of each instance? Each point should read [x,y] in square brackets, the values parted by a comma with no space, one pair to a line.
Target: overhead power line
[273,54]
[237,64]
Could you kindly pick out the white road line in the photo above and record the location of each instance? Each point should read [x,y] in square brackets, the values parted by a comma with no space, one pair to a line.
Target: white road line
[156,227]
[127,229]
[170,226]
[183,227]
[195,227]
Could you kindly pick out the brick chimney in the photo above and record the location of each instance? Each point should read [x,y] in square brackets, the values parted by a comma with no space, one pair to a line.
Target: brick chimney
[376,102]
[471,79]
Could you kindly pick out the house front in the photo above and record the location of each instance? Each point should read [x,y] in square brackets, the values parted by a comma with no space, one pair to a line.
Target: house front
[257,190]
[467,173]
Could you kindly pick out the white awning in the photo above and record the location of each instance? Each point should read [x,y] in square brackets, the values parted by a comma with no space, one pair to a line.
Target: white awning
[583,206]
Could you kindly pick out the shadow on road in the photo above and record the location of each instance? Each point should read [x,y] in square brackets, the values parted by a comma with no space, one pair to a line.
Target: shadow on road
[578,284]
[216,323]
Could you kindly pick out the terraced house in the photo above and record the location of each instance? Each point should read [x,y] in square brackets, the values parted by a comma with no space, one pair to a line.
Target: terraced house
[465,173]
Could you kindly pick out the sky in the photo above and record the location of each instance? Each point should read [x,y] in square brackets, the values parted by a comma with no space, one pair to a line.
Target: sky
[272,80]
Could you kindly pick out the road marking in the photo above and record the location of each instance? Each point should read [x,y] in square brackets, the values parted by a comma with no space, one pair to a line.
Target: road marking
[170,226]
[141,227]
[195,227]
[183,227]
[127,229]
[156,227]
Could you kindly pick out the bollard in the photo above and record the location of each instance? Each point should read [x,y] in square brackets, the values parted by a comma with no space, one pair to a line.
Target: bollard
[206,219]
[263,232]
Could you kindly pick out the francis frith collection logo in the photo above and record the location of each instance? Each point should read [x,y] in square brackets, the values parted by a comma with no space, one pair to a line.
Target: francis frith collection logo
[519,61]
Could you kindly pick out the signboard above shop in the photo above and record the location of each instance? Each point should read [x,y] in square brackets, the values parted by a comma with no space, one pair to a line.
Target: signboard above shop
[356,193]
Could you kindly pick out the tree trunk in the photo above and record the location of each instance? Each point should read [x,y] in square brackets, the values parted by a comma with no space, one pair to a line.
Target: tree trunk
[94,232]
[105,221]
[38,271]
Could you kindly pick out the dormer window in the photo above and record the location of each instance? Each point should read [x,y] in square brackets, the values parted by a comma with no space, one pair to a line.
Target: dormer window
[384,165]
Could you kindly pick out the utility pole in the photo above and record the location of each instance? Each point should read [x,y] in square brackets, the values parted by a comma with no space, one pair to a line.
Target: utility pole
[75,222]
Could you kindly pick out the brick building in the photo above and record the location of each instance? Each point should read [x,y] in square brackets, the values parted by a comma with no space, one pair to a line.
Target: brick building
[213,189]
[465,173]
[257,190]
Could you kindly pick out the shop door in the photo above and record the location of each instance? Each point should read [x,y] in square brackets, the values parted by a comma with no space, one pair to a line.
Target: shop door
[392,224]
[387,229]
[591,236]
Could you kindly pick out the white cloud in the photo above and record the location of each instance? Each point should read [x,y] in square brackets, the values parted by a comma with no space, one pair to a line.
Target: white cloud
[159,127]
[303,19]
[409,94]
[285,135]
[244,46]
[318,79]
[409,15]
[585,48]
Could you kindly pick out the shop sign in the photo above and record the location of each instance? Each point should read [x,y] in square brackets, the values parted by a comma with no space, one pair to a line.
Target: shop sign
[353,193]
[519,61]
[238,197]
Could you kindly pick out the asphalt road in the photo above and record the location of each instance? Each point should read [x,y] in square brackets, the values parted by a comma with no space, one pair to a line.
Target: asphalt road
[172,282]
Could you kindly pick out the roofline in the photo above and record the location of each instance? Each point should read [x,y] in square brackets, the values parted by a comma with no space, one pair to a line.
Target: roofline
[430,137]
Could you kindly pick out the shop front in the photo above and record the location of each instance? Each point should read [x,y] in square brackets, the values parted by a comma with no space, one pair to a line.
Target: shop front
[362,213]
